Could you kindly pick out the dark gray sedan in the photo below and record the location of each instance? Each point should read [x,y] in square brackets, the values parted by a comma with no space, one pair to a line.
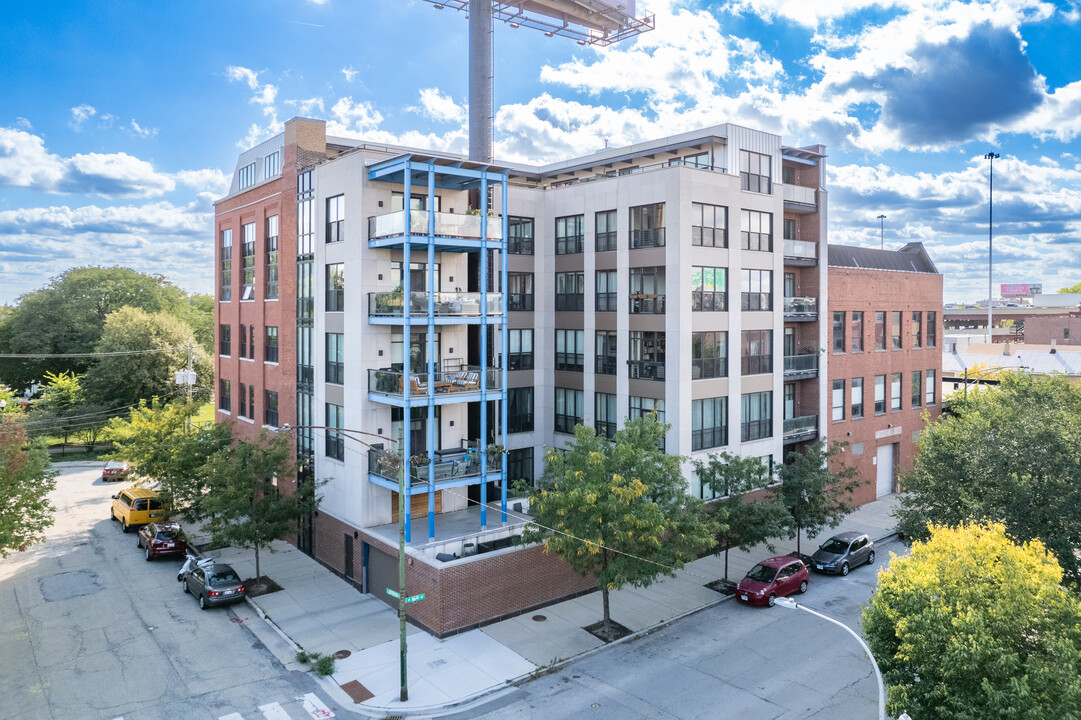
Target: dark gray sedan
[214,585]
[843,552]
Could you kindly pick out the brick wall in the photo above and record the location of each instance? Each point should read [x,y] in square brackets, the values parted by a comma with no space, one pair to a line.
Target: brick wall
[1065,331]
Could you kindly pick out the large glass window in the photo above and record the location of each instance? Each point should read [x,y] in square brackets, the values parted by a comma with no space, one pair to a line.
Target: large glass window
[755,172]
[272,165]
[243,409]
[709,288]
[709,225]
[520,465]
[335,358]
[756,230]
[270,408]
[270,344]
[757,291]
[570,346]
[336,218]
[520,352]
[647,290]
[519,235]
[569,238]
[225,339]
[929,388]
[838,404]
[895,392]
[605,353]
[857,331]
[709,423]
[757,415]
[570,291]
[838,331]
[880,394]
[642,406]
[335,445]
[519,410]
[709,355]
[418,276]
[224,398]
[917,388]
[647,226]
[605,230]
[606,419]
[272,257]
[857,398]
[225,268]
[243,340]
[880,330]
[335,287]
[756,354]
[247,261]
[520,291]
[895,329]
[606,291]
[917,329]
[568,409]
[932,329]
[646,355]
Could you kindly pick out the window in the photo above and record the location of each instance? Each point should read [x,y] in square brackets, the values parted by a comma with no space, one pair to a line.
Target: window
[838,332]
[335,445]
[520,465]
[698,160]
[757,416]
[709,423]
[932,329]
[605,230]
[647,226]
[646,355]
[336,287]
[917,388]
[226,266]
[857,331]
[225,345]
[857,398]
[251,342]
[929,389]
[568,409]
[756,230]
[243,341]
[754,172]
[336,218]
[418,276]
[271,243]
[520,350]
[270,344]
[519,235]
[520,291]
[570,291]
[756,353]
[709,225]
[917,329]
[272,165]
[709,289]
[270,408]
[642,406]
[838,400]
[251,402]
[247,261]
[519,410]
[606,418]
[895,329]
[243,400]
[606,291]
[880,330]
[335,369]
[757,291]
[246,176]
[709,355]
[605,353]
[895,392]
[224,399]
[880,394]
[647,290]
[570,346]
[789,229]
[569,235]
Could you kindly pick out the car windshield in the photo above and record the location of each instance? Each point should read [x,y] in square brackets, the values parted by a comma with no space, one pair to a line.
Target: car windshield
[762,574]
[223,578]
[165,535]
[835,546]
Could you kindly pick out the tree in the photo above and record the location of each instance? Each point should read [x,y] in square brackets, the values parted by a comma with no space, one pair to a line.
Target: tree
[741,523]
[816,488]
[25,483]
[1074,289]
[64,410]
[1010,455]
[973,625]
[244,504]
[618,510]
[122,380]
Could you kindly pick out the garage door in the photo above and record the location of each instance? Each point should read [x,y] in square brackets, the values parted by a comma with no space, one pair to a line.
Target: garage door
[885,470]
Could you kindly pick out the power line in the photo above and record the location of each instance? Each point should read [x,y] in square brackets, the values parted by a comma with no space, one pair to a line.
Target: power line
[46,356]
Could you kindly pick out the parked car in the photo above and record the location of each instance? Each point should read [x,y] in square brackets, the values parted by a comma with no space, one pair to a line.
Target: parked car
[772,578]
[213,585]
[115,470]
[136,506]
[843,552]
[162,538]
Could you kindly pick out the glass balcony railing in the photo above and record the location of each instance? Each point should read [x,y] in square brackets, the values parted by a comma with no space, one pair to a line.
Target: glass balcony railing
[801,195]
[456,304]
[800,425]
[800,249]
[446,225]
[464,466]
[392,382]
[806,306]
[645,370]
[801,365]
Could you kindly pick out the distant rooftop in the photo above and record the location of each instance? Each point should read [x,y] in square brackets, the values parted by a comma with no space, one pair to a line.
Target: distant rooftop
[911,258]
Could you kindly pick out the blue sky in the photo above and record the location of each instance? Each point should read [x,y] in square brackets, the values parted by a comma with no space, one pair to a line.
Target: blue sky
[121,121]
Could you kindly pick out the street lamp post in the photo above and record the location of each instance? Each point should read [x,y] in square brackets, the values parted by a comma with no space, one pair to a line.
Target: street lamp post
[992,156]
[791,604]
[882,232]
[3,409]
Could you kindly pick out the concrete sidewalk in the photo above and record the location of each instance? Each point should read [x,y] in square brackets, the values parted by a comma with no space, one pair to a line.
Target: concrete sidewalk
[319,612]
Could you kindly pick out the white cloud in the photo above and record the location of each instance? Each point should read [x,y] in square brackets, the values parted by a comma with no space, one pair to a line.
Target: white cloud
[309,107]
[23,123]
[350,73]
[79,115]
[139,131]
[438,106]
[349,117]
[235,72]
[24,161]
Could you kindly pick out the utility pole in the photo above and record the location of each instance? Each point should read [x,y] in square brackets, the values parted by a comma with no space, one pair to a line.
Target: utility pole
[401,567]
[992,156]
[881,232]
[191,381]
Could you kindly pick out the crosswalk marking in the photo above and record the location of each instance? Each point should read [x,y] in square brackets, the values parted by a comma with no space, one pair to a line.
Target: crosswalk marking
[232,716]
[274,711]
[315,707]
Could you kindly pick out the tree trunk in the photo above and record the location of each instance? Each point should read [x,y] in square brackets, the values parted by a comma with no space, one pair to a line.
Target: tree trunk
[726,562]
[799,528]
[257,575]
[607,614]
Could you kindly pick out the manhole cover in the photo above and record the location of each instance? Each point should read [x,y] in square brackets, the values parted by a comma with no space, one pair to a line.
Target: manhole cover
[64,586]
[539,618]
[342,654]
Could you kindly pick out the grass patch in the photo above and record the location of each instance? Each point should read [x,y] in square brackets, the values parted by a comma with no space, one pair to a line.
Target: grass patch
[319,663]
[75,456]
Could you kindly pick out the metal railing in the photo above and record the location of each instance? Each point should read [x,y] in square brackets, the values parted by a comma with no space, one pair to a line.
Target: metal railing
[801,195]
[447,304]
[446,225]
[801,306]
[800,425]
[466,380]
[801,249]
[645,370]
[647,304]
[647,238]
[385,463]
[800,364]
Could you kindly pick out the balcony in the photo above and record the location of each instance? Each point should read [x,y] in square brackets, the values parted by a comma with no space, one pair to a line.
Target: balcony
[447,305]
[800,367]
[801,309]
[448,225]
[647,238]
[448,387]
[645,370]
[647,304]
[447,469]
[800,199]
[800,252]
[799,429]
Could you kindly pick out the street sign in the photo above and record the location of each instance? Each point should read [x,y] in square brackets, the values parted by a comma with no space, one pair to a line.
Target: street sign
[393,593]
[410,599]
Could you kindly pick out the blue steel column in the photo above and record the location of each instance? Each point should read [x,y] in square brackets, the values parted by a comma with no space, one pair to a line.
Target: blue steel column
[407,338]
[504,340]
[483,441]
[432,360]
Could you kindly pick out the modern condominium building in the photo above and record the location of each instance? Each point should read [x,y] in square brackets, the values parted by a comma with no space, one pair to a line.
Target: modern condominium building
[479,312]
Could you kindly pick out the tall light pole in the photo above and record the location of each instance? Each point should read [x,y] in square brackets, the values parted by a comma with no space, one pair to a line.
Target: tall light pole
[882,232]
[791,604]
[3,409]
[992,156]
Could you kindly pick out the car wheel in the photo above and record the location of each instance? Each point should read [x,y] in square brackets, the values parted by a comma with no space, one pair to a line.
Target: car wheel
[148,555]
[202,602]
[772,599]
[871,558]
[186,588]
[139,542]
[844,569]
[124,525]
[112,515]
[803,587]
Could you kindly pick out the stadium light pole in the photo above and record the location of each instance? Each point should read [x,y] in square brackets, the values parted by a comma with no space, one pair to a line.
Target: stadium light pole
[992,156]
[881,232]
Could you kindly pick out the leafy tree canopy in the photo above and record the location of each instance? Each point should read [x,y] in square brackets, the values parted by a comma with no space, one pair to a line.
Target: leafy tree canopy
[973,625]
[816,488]
[26,480]
[1073,289]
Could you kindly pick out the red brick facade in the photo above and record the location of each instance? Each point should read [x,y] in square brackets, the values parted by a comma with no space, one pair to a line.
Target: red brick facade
[1064,330]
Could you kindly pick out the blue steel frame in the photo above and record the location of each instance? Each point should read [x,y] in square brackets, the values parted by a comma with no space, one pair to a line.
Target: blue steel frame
[452,175]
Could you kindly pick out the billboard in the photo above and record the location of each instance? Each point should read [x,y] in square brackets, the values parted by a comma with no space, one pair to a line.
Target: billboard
[1021,290]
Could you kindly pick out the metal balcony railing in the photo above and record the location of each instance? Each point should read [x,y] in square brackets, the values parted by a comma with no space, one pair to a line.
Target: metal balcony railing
[801,365]
[454,304]
[800,249]
[446,225]
[799,426]
[466,380]
[805,306]
[647,238]
[645,370]
[467,465]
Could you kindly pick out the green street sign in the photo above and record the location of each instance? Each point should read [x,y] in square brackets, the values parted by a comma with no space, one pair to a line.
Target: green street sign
[394,593]
[414,598]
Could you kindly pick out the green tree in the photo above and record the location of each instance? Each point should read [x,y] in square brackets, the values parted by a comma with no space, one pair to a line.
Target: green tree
[973,625]
[26,480]
[1010,455]
[741,523]
[244,504]
[1074,289]
[816,488]
[618,510]
[124,379]
[63,410]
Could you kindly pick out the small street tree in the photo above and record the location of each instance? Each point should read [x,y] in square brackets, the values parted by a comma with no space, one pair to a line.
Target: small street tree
[244,505]
[741,523]
[63,410]
[974,625]
[619,510]
[26,480]
[816,488]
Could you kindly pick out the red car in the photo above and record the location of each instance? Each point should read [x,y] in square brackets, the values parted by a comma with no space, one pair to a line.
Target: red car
[773,578]
[164,538]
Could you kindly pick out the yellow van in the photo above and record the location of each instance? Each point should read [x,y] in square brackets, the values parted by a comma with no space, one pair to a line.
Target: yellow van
[136,506]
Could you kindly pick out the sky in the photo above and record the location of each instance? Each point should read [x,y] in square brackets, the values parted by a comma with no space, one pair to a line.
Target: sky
[121,121]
